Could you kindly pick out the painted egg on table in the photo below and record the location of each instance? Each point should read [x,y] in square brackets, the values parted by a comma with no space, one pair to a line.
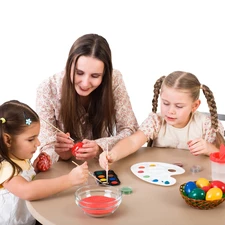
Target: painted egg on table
[214,194]
[197,193]
[201,182]
[189,186]
[219,184]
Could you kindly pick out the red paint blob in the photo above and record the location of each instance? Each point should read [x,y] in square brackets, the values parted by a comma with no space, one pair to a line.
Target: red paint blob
[114,182]
[98,205]
[140,171]
[141,167]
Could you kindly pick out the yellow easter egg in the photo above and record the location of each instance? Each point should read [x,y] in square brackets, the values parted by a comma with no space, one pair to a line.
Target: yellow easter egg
[214,194]
[202,182]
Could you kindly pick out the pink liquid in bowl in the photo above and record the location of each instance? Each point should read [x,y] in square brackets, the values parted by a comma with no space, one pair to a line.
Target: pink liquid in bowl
[98,205]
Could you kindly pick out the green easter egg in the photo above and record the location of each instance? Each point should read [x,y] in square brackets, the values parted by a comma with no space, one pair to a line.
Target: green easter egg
[197,193]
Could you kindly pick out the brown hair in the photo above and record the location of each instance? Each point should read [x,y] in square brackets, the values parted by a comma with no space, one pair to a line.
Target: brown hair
[16,116]
[188,81]
[101,106]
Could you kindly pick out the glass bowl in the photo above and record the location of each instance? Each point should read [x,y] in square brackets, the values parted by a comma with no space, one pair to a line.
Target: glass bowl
[98,200]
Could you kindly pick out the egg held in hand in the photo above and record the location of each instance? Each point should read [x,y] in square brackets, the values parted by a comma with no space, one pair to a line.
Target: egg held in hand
[76,147]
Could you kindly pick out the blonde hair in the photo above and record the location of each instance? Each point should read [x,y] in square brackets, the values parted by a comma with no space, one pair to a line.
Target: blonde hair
[181,80]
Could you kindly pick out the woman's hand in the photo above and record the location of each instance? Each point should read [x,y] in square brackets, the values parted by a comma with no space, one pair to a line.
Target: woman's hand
[89,150]
[63,145]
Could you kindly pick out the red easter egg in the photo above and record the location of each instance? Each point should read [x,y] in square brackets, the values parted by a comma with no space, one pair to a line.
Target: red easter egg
[206,188]
[44,162]
[76,147]
[218,184]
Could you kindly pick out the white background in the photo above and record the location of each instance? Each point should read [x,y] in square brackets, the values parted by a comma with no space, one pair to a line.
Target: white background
[148,39]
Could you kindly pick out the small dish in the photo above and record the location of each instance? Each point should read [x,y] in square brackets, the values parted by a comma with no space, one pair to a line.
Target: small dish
[97,200]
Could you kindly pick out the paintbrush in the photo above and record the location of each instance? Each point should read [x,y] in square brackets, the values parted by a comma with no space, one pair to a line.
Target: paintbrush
[56,128]
[107,167]
[89,173]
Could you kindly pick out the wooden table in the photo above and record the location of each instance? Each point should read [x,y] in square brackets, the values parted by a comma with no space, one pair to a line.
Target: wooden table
[148,204]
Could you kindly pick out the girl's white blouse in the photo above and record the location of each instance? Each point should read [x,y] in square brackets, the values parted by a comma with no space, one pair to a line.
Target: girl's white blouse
[13,210]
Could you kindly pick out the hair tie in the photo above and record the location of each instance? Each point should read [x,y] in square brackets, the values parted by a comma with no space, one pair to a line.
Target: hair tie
[3,120]
[28,122]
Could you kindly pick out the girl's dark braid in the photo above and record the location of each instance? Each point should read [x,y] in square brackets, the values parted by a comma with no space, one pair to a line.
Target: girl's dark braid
[212,106]
[156,91]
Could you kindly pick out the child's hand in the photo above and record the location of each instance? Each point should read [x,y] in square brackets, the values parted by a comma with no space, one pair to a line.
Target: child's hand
[198,146]
[79,174]
[105,160]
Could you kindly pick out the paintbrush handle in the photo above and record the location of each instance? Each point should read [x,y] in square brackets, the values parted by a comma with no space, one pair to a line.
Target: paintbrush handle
[107,167]
[56,128]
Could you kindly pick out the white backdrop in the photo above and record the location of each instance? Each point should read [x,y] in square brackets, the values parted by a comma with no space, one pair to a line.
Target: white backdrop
[148,39]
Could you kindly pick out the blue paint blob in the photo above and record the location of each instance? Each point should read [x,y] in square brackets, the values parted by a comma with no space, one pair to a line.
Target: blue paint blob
[155,180]
[167,182]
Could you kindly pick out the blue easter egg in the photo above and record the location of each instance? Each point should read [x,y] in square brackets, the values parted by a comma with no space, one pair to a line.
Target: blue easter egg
[189,186]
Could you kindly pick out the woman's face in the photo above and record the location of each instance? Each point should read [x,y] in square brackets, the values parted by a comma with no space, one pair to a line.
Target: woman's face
[88,75]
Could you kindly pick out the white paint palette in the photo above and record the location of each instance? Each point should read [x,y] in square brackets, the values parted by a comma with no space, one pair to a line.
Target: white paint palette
[156,172]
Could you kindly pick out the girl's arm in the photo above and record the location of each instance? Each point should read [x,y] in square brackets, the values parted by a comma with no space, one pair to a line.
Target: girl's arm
[123,148]
[126,122]
[38,189]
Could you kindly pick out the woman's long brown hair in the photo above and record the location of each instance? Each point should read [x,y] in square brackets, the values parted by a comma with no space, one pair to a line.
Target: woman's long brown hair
[100,112]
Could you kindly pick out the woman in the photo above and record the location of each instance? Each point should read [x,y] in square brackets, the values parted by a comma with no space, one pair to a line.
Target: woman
[88,101]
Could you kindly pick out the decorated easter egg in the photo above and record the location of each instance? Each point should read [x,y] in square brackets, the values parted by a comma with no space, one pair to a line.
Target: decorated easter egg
[76,147]
[214,194]
[201,182]
[219,184]
[189,186]
[197,193]
[44,162]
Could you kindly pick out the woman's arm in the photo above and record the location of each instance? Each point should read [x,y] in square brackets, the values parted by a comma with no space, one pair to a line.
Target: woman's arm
[47,107]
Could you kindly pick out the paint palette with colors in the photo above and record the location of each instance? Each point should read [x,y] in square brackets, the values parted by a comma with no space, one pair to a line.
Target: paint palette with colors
[112,177]
[157,172]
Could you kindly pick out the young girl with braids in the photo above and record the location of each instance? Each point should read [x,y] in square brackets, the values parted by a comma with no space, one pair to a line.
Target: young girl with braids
[179,124]
[19,130]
